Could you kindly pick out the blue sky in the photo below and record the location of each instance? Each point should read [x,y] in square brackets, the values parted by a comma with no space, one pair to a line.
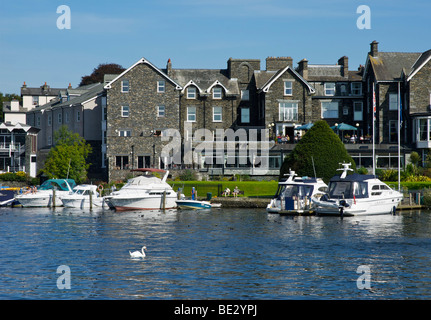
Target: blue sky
[195,34]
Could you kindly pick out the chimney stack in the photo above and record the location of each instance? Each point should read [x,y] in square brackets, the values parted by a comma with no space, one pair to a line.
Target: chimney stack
[344,62]
[303,68]
[277,63]
[169,67]
[374,48]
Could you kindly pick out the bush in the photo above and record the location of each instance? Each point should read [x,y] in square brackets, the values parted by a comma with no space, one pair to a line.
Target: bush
[14,176]
[188,175]
[323,146]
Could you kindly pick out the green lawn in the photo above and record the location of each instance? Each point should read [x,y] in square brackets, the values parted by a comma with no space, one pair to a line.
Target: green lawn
[250,188]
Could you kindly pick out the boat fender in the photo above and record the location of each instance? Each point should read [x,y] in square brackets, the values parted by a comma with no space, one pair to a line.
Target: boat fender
[100,187]
[343,203]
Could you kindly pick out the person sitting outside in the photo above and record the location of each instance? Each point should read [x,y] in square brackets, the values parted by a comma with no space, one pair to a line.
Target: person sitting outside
[235,191]
[226,192]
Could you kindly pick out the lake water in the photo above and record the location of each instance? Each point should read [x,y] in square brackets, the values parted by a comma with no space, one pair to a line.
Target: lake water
[219,254]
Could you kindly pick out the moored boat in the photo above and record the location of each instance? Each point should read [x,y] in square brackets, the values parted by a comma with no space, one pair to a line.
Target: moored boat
[193,204]
[48,194]
[83,196]
[295,193]
[144,193]
[356,194]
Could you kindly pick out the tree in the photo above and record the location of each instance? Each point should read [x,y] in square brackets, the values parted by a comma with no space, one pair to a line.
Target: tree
[321,145]
[100,71]
[67,159]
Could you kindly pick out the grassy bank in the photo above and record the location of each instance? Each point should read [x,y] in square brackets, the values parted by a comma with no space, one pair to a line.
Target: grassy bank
[250,188]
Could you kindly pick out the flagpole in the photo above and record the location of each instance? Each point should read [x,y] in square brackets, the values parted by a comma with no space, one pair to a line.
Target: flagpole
[399,136]
[373,137]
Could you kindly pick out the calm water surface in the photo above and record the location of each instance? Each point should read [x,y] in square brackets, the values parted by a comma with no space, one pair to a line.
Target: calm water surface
[220,254]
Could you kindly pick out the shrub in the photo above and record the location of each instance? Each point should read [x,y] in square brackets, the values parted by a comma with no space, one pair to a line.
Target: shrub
[188,175]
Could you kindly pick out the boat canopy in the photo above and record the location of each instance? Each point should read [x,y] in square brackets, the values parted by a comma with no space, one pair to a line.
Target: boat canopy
[353,177]
[58,184]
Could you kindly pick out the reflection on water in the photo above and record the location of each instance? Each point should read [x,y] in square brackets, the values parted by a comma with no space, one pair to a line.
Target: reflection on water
[218,254]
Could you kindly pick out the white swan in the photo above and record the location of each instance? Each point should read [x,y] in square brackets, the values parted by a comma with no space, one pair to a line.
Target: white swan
[138,254]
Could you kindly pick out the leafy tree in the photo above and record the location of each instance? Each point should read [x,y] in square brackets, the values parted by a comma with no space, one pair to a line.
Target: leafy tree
[68,157]
[321,145]
[100,71]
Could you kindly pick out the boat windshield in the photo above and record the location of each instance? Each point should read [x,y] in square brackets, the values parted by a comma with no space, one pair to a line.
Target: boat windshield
[294,191]
[348,189]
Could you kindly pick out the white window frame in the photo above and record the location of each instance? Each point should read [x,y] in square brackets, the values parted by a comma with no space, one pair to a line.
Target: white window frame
[393,101]
[245,95]
[161,111]
[125,111]
[191,93]
[49,140]
[358,115]
[35,100]
[161,86]
[356,88]
[288,111]
[245,115]
[125,133]
[125,86]
[288,88]
[191,114]
[329,113]
[217,114]
[217,93]
[329,88]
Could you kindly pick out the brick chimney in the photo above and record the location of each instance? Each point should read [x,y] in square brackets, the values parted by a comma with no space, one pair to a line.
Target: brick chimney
[277,63]
[169,67]
[344,62]
[303,68]
[374,48]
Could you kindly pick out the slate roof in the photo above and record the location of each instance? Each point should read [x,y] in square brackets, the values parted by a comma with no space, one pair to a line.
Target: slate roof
[41,91]
[205,79]
[388,66]
[420,62]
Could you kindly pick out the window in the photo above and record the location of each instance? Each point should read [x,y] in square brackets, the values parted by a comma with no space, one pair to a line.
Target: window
[287,88]
[125,86]
[245,115]
[122,162]
[35,100]
[357,111]
[66,117]
[329,89]
[78,116]
[49,120]
[217,93]
[124,111]
[345,111]
[329,109]
[161,111]
[191,114]
[60,118]
[49,140]
[393,101]
[125,133]
[393,132]
[217,114]
[245,95]
[288,111]
[38,121]
[356,88]
[191,93]
[160,86]
[144,162]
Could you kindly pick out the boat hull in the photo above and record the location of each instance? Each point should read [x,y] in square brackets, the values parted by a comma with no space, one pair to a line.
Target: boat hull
[365,207]
[193,204]
[82,203]
[121,203]
[39,199]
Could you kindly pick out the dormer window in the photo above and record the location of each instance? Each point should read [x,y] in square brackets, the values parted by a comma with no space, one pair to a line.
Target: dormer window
[217,93]
[357,88]
[191,93]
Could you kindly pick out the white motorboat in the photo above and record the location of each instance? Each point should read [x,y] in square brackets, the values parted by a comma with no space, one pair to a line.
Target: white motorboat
[144,193]
[295,193]
[357,194]
[81,196]
[48,194]
[193,204]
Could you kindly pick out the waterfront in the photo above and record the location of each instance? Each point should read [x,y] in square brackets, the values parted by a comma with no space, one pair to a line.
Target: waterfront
[215,254]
